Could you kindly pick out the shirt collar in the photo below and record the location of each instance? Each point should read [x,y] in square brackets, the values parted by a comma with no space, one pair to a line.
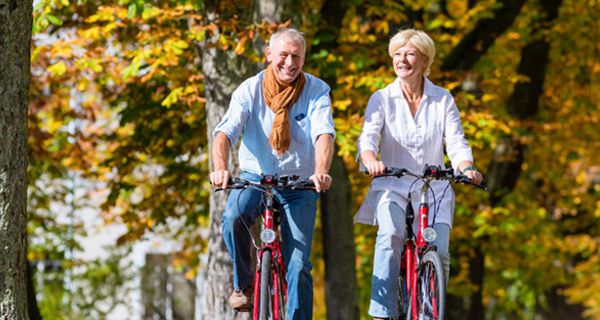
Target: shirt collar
[428,89]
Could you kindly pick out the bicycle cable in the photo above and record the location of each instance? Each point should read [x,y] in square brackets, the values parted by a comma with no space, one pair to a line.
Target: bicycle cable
[435,206]
[242,215]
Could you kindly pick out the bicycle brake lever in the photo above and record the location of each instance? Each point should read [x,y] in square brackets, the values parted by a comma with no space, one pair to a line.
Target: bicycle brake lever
[465,180]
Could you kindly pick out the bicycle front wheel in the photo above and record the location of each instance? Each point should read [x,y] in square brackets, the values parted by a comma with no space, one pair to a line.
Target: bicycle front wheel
[431,289]
[265,286]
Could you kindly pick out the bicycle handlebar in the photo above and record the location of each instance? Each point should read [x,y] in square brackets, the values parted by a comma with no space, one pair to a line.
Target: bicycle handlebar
[268,181]
[431,173]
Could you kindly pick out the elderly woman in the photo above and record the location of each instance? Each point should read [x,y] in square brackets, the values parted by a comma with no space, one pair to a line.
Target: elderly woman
[408,123]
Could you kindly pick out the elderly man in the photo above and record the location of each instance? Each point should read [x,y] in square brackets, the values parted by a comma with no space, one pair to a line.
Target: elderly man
[284,115]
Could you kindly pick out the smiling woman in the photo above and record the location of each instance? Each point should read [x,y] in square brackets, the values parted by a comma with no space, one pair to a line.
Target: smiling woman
[408,123]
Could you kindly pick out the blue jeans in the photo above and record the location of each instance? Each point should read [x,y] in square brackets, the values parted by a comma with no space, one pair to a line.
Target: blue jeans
[388,253]
[298,223]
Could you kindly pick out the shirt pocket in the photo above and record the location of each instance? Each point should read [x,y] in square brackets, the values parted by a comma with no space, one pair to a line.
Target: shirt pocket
[300,127]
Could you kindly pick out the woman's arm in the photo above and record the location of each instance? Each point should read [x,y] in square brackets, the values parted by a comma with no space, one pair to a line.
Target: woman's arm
[369,160]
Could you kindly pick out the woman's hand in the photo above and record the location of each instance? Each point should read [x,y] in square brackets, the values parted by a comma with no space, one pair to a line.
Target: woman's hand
[375,167]
[369,160]
[468,169]
[474,175]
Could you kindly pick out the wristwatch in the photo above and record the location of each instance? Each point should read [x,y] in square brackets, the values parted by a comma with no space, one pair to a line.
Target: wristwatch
[469,168]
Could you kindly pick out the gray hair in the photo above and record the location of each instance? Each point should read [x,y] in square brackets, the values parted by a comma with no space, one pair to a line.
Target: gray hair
[291,33]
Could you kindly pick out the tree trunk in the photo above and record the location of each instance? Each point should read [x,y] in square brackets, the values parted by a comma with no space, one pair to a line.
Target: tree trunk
[32,307]
[476,43]
[505,169]
[15,43]
[223,72]
[341,292]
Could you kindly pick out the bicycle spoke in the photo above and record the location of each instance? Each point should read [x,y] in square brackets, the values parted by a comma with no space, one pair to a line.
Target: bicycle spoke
[427,300]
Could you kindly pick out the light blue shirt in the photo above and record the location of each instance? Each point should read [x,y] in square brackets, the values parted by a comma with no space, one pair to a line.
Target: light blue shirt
[250,117]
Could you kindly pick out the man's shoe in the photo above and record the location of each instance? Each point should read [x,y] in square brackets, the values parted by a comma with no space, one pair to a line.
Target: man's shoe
[241,301]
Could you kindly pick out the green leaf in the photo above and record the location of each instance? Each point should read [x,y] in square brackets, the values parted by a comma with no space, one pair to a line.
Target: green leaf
[54,20]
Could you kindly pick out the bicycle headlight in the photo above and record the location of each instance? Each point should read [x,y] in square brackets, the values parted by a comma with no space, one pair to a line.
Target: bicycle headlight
[429,234]
[267,235]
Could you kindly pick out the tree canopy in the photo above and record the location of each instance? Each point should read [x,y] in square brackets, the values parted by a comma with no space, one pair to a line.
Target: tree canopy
[118,99]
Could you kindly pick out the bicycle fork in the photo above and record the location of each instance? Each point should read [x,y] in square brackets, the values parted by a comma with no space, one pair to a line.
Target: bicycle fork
[271,244]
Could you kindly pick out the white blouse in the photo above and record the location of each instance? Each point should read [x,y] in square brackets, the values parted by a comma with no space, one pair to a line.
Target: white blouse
[406,142]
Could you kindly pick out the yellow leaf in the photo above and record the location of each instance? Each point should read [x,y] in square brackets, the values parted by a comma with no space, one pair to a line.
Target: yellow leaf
[58,69]
[82,85]
[240,47]
[342,104]
[172,98]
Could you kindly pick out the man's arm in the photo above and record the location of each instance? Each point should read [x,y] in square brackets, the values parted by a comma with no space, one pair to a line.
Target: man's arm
[220,158]
[323,157]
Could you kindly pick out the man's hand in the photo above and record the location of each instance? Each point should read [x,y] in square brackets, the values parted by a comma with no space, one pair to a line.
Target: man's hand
[322,181]
[219,178]
[220,154]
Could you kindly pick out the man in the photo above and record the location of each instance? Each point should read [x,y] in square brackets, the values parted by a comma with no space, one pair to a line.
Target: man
[285,117]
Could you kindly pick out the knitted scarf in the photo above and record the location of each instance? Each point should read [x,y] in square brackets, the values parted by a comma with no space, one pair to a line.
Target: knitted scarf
[280,97]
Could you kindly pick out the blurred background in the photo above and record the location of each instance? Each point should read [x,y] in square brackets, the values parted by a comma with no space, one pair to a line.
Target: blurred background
[123,223]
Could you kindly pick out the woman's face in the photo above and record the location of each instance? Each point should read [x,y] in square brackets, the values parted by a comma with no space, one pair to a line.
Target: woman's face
[409,62]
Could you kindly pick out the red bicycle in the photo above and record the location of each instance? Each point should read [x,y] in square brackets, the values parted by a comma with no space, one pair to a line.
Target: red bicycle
[422,293]
[270,287]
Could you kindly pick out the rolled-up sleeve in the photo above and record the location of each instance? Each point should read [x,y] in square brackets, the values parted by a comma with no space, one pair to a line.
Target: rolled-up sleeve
[320,115]
[457,147]
[374,120]
[232,124]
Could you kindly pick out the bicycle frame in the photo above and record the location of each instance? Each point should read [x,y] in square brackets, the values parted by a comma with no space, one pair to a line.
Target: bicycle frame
[417,251]
[274,247]
[271,247]
[415,248]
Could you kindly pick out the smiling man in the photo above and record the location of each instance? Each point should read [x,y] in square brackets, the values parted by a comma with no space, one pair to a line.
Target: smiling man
[284,118]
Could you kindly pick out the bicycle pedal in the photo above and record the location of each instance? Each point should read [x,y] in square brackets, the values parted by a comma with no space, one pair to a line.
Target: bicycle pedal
[245,309]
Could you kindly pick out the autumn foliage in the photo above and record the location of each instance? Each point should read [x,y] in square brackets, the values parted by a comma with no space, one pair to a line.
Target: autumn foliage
[117,101]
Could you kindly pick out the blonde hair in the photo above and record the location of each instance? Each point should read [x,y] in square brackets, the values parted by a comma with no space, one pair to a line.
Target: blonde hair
[417,38]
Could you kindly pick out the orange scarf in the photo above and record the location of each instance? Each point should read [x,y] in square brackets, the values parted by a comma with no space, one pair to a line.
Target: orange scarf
[280,97]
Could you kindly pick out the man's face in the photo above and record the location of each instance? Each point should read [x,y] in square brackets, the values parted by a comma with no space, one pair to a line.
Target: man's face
[287,58]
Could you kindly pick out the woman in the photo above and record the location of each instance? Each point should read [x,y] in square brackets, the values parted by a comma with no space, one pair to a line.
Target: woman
[411,119]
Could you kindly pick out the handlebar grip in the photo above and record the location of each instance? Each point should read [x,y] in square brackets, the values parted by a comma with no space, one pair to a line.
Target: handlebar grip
[465,180]
[395,171]
[301,184]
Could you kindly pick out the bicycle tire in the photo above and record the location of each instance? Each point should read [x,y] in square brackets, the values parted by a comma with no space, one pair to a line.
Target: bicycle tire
[265,287]
[431,289]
